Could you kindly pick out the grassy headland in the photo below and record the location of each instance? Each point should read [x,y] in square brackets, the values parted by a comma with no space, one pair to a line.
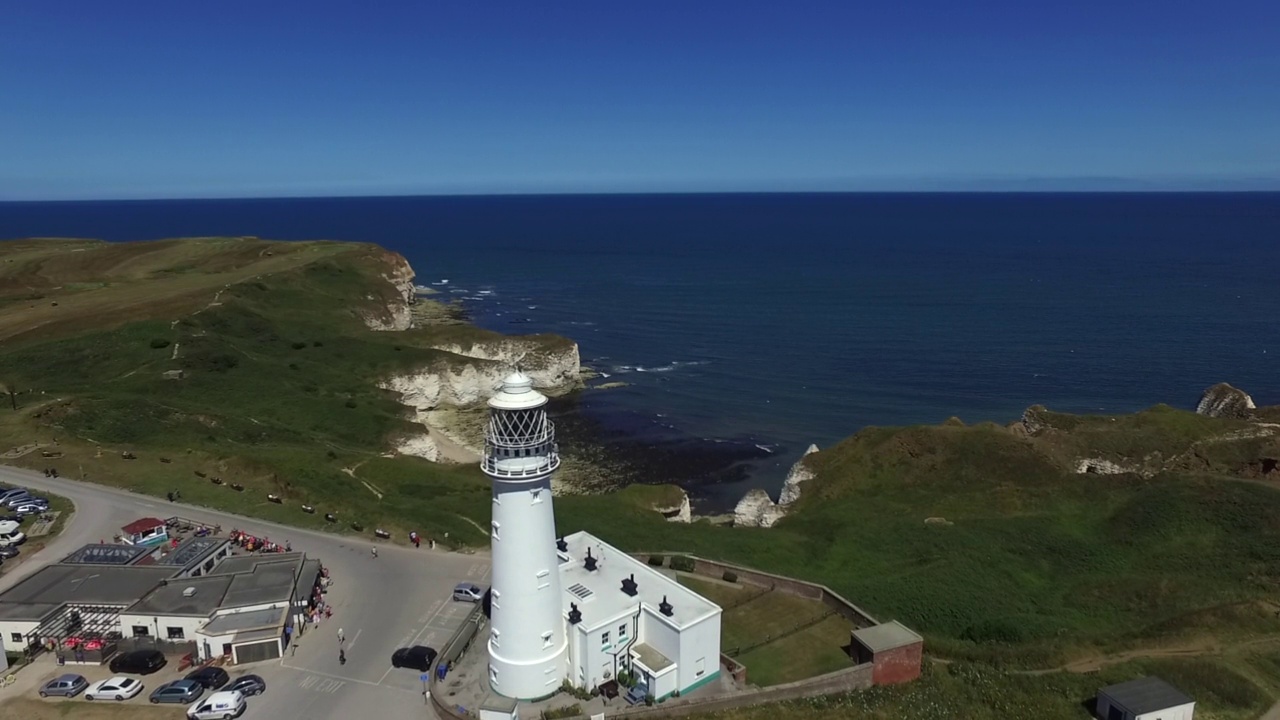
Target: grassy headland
[1025,561]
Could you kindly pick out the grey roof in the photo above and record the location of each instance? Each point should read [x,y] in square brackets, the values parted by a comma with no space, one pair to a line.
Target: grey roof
[253,635]
[236,622]
[310,571]
[193,551]
[87,584]
[651,658]
[1145,695]
[237,564]
[268,582]
[26,611]
[168,598]
[497,703]
[886,636]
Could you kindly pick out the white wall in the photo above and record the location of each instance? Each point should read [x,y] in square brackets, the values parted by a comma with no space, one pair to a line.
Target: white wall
[1180,712]
[699,654]
[189,625]
[22,627]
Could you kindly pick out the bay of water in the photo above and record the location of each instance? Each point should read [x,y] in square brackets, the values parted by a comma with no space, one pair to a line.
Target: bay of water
[763,323]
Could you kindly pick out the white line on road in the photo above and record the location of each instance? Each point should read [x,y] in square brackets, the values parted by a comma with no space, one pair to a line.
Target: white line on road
[417,635]
[355,637]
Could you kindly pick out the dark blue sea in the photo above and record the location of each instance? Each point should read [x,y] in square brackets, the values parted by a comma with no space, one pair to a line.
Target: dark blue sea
[749,326]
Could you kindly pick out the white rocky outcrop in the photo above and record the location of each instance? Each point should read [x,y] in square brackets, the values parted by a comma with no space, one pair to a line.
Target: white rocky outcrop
[549,368]
[1099,466]
[398,315]
[1223,400]
[757,509]
[681,512]
[419,446]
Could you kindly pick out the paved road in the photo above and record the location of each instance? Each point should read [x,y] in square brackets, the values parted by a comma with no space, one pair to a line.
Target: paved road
[398,599]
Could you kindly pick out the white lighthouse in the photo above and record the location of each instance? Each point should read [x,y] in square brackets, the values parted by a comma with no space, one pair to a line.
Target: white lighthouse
[527,628]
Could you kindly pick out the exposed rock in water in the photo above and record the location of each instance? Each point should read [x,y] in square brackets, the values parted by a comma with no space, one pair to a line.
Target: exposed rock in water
[1224,401]
[757,509]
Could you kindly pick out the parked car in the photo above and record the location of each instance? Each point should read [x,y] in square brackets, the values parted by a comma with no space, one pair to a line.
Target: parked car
[249,685]
[139,662]
[8,551]
[178,691]
[218,706]
[468,592]
[69,685]
[31,508]
[117,688]
[418,657]
[13,537]
[16,499]
[637,694]
[211,678]
[13,493]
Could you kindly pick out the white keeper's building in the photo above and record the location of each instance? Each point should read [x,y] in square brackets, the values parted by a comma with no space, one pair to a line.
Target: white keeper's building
[575,608]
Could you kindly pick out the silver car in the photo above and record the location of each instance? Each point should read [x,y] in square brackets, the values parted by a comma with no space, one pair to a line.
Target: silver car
[468,592]
[64,686]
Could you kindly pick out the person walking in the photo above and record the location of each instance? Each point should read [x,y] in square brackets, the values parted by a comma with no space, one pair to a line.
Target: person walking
[374,551]
[341,637]
[342,657]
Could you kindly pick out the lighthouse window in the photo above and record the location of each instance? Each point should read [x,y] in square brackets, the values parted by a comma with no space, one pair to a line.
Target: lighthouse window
[496,526]
[537,495]
[546,640]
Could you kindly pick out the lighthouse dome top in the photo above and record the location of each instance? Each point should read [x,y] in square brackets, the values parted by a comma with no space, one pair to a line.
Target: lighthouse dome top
[517,393]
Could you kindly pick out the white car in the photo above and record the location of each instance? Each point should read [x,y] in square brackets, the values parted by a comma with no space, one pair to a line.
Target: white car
[116,688]
[14,537]
[223,705]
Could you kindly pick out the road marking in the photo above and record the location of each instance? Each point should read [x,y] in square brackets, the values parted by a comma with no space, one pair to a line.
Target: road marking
[352,644]
[440,606]
[321,684]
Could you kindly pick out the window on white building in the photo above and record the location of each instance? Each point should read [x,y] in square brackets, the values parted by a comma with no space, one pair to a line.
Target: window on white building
[622,632]
[16,638]
[176,633]
[140,631]
[546,640]
[604,639]
[537,495]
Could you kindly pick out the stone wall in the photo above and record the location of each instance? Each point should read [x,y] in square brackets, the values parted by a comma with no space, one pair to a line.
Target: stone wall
[899,665]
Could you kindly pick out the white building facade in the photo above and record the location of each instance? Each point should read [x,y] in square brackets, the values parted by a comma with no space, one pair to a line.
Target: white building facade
[624,616]
[526,632]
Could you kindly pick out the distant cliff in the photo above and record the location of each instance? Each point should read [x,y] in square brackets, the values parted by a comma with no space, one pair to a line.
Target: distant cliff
[1223,400]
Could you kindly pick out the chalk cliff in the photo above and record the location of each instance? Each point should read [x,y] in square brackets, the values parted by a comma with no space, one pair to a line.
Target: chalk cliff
[1223,400]
[554,368]
[681,512]
[757,509]
[399,275]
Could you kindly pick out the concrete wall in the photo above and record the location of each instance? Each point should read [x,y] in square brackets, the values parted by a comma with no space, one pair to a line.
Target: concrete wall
[699,656]
[189,625]
[21,627]
[898,665]
[1180,712]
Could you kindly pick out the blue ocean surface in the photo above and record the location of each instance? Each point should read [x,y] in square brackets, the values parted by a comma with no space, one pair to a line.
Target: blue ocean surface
[769,322]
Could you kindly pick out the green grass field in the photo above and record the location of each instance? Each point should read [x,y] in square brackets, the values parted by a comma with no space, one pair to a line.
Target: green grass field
[753,616]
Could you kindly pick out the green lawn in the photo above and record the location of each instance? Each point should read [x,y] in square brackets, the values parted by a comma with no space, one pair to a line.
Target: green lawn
[794,655]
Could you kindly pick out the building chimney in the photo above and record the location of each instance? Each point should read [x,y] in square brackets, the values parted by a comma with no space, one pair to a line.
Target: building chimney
[575,615]
[629,585]
[665,607]
[562,545]
[590,562]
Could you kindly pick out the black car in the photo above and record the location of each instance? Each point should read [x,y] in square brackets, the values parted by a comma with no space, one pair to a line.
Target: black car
[211,678]
[248,684]
[418,657]
[138,662]
[8,551]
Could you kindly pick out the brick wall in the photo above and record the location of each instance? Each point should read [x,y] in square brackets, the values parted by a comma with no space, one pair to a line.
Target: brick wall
[735,669]
[898,665]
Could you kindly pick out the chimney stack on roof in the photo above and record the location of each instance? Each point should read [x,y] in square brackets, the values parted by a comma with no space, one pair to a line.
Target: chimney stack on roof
[575,615]
[629,585]
[562,545]
[590,562]
[665,607]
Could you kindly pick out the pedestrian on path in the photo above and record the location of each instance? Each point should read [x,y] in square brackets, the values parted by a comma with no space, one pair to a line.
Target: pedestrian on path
[341,638]
[374,550]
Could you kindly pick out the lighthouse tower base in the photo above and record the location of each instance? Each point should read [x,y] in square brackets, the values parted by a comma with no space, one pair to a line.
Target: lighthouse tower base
[517,680]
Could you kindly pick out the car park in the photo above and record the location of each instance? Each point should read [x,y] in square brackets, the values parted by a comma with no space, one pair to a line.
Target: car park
[114,688]
[468,592]
[249,685]
[218,706]
[69,685]
[138,662]
[418,657]
[210,678]
[178,691]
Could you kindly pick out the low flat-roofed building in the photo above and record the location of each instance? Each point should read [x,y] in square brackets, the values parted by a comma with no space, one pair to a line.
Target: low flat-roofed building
[1147,698]
[894,650]
[197,555]
[47,591]
[624,615]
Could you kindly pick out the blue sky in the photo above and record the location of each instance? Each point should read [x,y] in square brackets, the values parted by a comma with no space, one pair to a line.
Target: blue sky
[179,99]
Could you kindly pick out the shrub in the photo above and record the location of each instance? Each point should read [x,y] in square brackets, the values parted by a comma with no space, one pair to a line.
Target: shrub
[567,711]
[317,343]
[730,576]
[656,560]
[648,699]
[158,343]
[350,403]
[293,366]
[299,345]
[682,563]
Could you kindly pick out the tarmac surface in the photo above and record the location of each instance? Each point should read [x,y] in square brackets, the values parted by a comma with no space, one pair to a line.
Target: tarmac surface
[401,598]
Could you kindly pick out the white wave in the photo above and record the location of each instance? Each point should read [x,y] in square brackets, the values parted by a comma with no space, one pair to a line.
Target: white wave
[533,307]
[765,448]
[485,292]
[605,375]
[442,282]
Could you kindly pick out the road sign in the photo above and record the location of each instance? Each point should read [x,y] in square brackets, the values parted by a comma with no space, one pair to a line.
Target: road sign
[424,677]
